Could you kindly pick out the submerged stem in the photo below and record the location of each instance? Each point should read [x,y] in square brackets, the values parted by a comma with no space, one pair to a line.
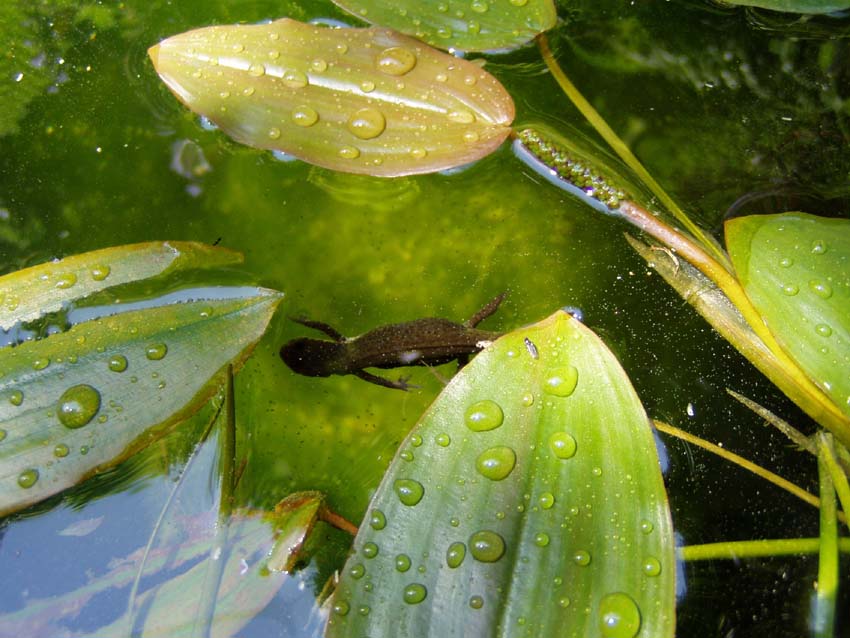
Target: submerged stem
[625,153]
[823,605]
[754,549]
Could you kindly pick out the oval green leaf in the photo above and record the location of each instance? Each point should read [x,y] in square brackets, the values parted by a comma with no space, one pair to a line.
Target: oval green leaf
[552,520]
[369,101]
[78,401]
[476,25]
[27,294]
[795,269]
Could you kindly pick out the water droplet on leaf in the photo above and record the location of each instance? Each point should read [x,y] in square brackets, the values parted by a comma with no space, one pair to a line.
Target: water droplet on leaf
[486,546]
[78,405]
[496,463]
[483,416]
[409,492]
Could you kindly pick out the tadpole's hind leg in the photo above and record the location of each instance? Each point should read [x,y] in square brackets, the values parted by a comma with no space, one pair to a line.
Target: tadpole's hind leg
[321,327]
[486,311]
[401,384]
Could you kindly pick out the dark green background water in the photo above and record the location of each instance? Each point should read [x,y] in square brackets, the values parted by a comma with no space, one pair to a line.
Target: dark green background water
[733,111]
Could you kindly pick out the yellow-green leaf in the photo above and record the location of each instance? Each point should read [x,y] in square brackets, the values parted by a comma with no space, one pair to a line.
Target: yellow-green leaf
[476,25]
[527,501]
[368,101]
[795,269]
[28,294]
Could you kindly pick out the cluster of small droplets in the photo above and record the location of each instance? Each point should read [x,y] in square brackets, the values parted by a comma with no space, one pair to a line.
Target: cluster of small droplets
[570,168]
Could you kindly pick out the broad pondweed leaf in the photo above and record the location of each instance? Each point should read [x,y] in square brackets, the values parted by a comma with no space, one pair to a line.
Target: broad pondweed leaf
[78,401]
[796,6]
[795,269]
[467,25]
[167,604]
[528,500]
[32,292]
[369,101]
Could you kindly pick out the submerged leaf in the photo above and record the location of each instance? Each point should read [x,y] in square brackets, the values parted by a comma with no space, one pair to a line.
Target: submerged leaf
[795,269]
[79,401]
[796,6]
[479,25]
[368,101]
[528,500]
[170,605]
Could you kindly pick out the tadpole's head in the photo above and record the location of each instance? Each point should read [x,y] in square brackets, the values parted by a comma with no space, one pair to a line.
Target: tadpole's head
[312,357]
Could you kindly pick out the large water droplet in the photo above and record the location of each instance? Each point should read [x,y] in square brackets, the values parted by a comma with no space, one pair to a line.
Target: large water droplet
[378,520]
[619,616]
[790,289]
[443,440]
[651,566]
[581,558]
[256,70]
[294,79]
[16,397]
[823,329]
[483,416]
[99,273]
[541,539]
[455,555]
[357,571]
[66,281]
[304,116]
[28,478]
[402,562]
[78,405]
[414,593]
[117,363]
[818,247]
[476,602]
[561,382]
[348,152]
[461,116]
[61,450]
[480,6]
[496,463]
[409,492]
[156,351]
[562,445]
[41,363]
[486,546]
[396,61]
[370,550]
[367,123]
[821,289]
[546,500]
[341,608]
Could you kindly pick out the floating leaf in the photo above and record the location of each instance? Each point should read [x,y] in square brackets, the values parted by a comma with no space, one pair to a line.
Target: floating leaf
[368,101]
[796,6]
[528,500]
[795,269]
[78,401]
[479,25]
[28,294]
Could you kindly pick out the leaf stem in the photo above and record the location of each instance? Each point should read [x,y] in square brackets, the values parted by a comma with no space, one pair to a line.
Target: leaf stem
[740,461]
[734,550]
[624,152]
[823,605]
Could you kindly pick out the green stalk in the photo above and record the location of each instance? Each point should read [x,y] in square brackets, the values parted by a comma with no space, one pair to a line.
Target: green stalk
[823,612]
[826,450]
[733,550]
[624,152]
[712,262]
[772,359]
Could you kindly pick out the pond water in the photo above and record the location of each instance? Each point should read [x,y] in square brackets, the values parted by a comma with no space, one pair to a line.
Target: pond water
[734,111]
